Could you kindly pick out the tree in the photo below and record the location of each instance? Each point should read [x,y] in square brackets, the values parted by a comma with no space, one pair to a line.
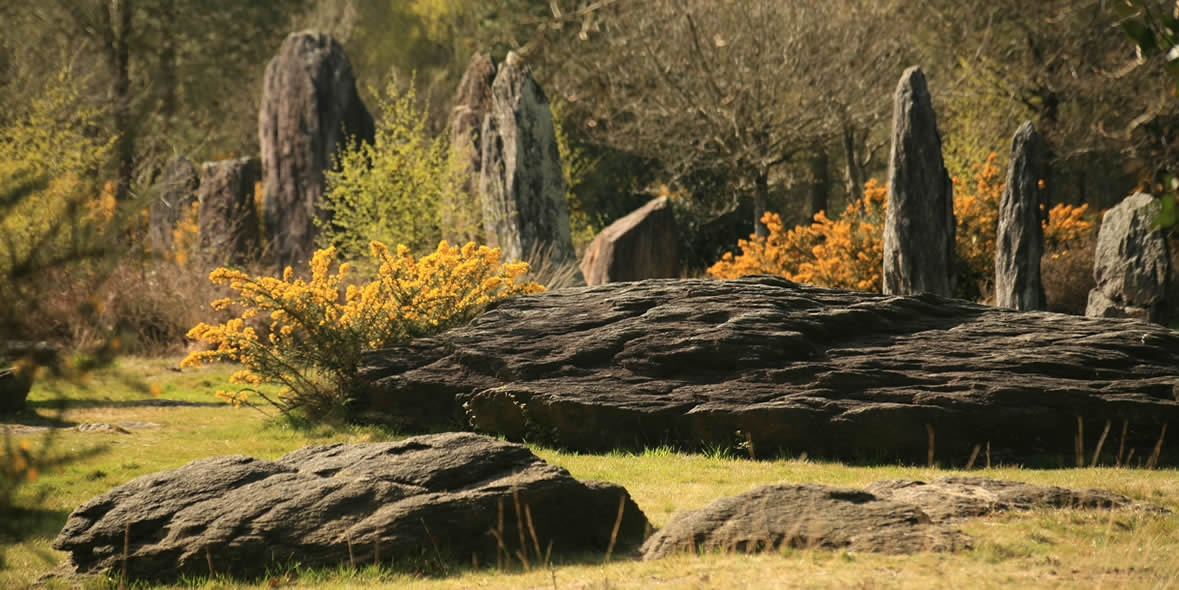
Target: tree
[737,88]
[1107,116]
[173,73]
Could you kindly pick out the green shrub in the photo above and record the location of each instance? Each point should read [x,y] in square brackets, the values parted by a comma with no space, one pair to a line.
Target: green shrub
[392,190]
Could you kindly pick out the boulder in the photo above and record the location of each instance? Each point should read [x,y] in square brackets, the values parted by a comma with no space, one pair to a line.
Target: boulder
[897,516]
[177,193]
[228,221]
[310,107]
[955,497]
[642,245]
[521,184]
[472,102]
[447,496]
[1019,244]
[787,367]
[919,225]
[1132,264]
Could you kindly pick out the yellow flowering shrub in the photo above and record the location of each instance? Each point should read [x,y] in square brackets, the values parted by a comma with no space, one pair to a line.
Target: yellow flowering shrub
[319,328]
[848,252]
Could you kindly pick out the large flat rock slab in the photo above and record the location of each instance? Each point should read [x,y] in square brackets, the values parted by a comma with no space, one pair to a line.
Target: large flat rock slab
[791,368]
[893,516]
[445,496]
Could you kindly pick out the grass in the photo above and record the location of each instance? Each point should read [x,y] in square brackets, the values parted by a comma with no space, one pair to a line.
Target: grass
[1041,548]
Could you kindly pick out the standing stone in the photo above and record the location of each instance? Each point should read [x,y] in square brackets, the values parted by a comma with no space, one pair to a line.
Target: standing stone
[462,220]
[521,184]
[640,246]
[1020,241]
[228,220]
[309,109]
[177,193]
[919,227]
[1132,264]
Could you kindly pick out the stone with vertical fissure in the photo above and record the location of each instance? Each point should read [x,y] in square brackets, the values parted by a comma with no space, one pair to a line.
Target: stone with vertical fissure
[522,187]
[1020,240]
[310,107]
[228,221]
[919,226]
[472,102]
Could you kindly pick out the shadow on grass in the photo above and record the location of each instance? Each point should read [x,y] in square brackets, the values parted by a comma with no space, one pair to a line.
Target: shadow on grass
[138,403]
[26,523]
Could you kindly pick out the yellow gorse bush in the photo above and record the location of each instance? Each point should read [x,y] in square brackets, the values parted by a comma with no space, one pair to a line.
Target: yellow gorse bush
[848,252]
[320,328]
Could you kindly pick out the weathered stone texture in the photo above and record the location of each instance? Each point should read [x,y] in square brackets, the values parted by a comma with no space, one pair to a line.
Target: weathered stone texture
[177,193]
[894,516]
[641,245]
[472,102]
[1132,264]
[228,221]
[309,108]
[794,367]
[1019,244]
[335,504]
[919,225]
[521,184]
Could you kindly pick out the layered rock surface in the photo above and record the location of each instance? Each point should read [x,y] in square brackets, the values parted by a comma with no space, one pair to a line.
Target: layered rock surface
[787,367]
[339,504]
[894,516]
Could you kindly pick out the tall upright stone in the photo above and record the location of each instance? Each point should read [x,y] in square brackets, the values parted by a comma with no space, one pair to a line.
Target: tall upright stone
[228,221]
[520,182]
[1020,240]
[177,193]
[1132,264]
[919,226]
[310,107]
[462,220]
[642,245]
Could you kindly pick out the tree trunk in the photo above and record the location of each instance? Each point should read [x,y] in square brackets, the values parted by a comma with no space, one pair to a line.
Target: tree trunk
[168,80]
[120,56]
[853,166]
[820,182]
[761,190]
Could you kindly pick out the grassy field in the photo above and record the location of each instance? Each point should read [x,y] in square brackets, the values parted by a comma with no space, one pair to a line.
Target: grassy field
[1042,548]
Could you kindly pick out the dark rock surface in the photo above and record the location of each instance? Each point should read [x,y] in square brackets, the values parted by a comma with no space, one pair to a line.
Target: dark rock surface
[896,516]
[641,245]
[521,184]
[228,220]
[437,495]
[792,367]
[1132,264]
[919,225]
[1019,244]
[309,107]
[177,192]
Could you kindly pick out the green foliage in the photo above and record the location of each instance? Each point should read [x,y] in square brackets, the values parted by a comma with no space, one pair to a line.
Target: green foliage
[1154,30]
[51,212]
[392,191]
